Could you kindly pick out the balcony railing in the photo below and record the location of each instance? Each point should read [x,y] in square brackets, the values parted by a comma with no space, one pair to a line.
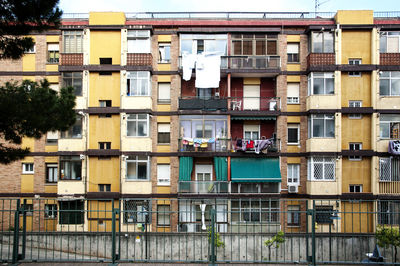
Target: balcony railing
[256,146]
[198,103]
[204,145]
[392,187]
[255,103]
[259,62]
[203,187]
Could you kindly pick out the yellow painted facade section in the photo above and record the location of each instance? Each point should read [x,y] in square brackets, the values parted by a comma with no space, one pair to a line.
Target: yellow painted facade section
[104,87]
[322,144]
[70,187]
[136,144]
[251,81]
[356,173]
[51,148]
[163,190]
[164,67]
[103,172]
[163,119]
[163,148]
[348,17]
[290,78]
[53,79]
[71,144]
[106,18]
[293,160]
[137,102]
[356,130]
[110,46]
[27,159]
[323,101]
[52,159]
[357,217]
[31,78]
[293,148]
[164,107]
[293,119]
[53,38]
[26,183]
[164,38]
[139,187]
[356,89]
[164,78]
[322,188]
[293,107]
[104,130]
[163,160]
[293,38]
[293,67]
[50,188]
[28,143]
[29,59]
[356,44]
[52,67]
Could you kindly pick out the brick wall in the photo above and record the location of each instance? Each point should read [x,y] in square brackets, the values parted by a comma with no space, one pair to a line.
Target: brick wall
[320,59]
[71,59]
[139,59]
[41,53]
[282,50]
[390,59]
[303,52]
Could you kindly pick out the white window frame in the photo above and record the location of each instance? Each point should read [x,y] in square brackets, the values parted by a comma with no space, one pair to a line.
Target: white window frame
[50,211]
[163,128]
[293,93]
[252,129]
[162,49]
[384,44]
[354,188]
[292,50]
[392,77]
[324,162]
[32,50]
[296,126]
[74,43]
[391,121]
[53,48]
[163,215]
[134,118]
[256,206]
[138,42]
[135,80]
[324,47]
[136,160]
[51,175]
[355,104]
[355,61]
[28,168]
[356,146]
[326,117]
[293,174]
[320,75]
[163,174]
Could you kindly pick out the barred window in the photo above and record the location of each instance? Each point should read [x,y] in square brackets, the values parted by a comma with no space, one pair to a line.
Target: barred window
[138,83]
[389,212]
[324,214]
[258,211]
[321,83]
[321,126]
[389,83]
[136,211]
[163,215]
[389,169]
[321,169]
[73,41]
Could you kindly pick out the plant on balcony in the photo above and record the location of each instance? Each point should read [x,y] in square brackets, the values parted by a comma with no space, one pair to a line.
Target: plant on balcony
[217,238]
[387,236]
[274,242]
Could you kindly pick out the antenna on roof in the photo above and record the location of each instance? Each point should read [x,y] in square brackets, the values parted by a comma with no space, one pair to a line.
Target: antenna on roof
[318,3]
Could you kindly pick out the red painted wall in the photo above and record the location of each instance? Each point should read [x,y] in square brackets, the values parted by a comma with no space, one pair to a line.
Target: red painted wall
[267,88]
[237,87]
[236,129]
[267,128]
[188,88]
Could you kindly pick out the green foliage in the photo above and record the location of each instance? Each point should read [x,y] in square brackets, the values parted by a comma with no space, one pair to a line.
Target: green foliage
[276,240]
[19,18]
[387,236]
[30,109]
[217,239]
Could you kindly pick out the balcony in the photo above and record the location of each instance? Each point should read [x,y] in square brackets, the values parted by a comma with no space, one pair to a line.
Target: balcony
[75,59]
[139,59]
[255,104]
[203,187]
[320,59]
[389,59]
[204,145]
[197,103]
[256,146]
[391,187]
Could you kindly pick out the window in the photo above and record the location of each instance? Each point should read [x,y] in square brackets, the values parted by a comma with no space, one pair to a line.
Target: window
[355,147]
[322,42]
[389,83]
[164,53]
[163,215]
[138,83]
[50,210]
[71,168]
[73,41]
[73,79]
[293,174]
[27,168]
[138,125]
[389,169]
[258,211]
[32,50]
[75,131]
[207,126]
[293,216]
[164,133]
[198,43]
[163,174]
[28,209]
[267,187]
[71,212]
[293,134]
[389,126]
[138,41]
[51,173]
[389,42]
[105,103]
[136,211]
[355,104]
[354,62]
[251,132]
[104,187]
[293,96]
[104,145]
[324,214]
[321,169]
[293,52]
[321,126]
[255,44]
[389,212]
[321,84]
[53,53]
[164,92]
[137,168]
[52,137]
[105,60]
[355,188]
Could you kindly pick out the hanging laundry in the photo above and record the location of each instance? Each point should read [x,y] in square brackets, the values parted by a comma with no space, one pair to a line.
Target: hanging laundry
[208,73]
[188,61]
[262,144]
[394,147]
[250,144]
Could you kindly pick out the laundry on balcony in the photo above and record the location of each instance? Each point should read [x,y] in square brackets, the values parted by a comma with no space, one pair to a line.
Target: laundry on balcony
[197,142]
[188,61]
[208,67]
[261,145]
[394,147]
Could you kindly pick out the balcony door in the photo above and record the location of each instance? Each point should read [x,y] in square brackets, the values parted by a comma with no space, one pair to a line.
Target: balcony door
[251,97]
[203,177]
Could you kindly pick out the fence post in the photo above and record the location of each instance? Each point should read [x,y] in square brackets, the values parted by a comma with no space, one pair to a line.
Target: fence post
[24,229]
[212,238]
[114,255]
[16,233]
[313,260]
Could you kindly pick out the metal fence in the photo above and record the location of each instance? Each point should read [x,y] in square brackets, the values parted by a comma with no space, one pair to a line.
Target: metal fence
[187,230]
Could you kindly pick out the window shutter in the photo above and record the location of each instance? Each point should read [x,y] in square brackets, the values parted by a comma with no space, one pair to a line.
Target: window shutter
[293,90]
[53,47]
[164,91]
[293,48]
[164,128]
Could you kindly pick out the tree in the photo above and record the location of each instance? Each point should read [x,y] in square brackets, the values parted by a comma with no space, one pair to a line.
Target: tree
[28,109]
[275,242]
[388,236]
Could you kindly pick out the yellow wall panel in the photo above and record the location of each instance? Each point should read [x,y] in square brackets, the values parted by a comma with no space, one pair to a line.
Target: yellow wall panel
[356,173]
[251,81]
[356,130]
[53,79]
[163,160]
[291,78]
[50,189]
[293,38]
[26,183]
[164,107]
[28,143]
[104,87]
[28,59]
[293,119]
[104,172]
[164,38]
[164,67]
[293,148]
[31,78]
[52,67]
[356,89]
[51,148]
[104,130]
[52,159]
[293,159]
[293,67]
[163,148]
[106,18]
[163,190]
[354,17]
[356,44]
[105,44]
[164,78]
[357,217]
[163,119]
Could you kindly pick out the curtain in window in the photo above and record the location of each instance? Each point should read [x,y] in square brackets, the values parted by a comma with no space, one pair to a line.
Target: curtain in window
[185,168]
[221,168]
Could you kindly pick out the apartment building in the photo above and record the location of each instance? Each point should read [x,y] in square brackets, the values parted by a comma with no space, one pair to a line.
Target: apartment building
[234,113]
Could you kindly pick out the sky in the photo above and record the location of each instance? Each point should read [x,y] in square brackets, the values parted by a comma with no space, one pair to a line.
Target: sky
[84,6]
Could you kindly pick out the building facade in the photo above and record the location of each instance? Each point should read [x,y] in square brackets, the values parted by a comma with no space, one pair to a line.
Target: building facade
[188,114]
